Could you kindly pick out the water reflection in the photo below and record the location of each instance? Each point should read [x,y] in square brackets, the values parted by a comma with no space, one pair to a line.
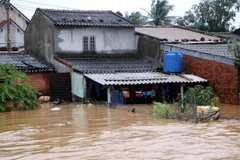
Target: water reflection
[96,132]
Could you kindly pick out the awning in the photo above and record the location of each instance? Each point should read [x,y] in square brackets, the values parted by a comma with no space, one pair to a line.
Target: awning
[143,78]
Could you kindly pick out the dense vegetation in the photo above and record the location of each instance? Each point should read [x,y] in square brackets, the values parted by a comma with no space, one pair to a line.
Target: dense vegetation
[13,87]
[186,107]
[212,16]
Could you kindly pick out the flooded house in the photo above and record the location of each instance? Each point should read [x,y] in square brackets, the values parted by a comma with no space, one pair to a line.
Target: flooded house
[204,55]
[96,51]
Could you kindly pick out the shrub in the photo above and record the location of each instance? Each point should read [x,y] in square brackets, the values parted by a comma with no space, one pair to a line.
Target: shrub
[161,110]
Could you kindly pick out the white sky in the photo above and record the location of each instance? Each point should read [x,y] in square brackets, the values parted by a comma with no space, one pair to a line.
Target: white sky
[27,7]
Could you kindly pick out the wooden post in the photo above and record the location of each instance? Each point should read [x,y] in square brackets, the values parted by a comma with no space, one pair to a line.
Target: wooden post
[181,89]
[84,87]
[109,96]
[7,7]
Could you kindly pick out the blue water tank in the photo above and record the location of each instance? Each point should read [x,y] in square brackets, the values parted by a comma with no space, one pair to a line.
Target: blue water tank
[172,62]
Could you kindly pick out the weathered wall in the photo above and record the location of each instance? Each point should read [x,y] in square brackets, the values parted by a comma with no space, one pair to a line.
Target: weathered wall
[16,36]
[41,81]
[223,77]
[60,86]
[14,15]
[108,40]
[38,37]
[148,48]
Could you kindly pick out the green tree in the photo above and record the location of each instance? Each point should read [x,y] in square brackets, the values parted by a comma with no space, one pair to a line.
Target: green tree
[213,16]
[234,48]
[137,18]
[14,88]
[158,14]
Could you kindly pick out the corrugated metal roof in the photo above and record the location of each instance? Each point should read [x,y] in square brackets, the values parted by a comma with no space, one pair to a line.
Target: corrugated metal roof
[214,49]
[173,34]
[87,18]
[143,78]
[109,63]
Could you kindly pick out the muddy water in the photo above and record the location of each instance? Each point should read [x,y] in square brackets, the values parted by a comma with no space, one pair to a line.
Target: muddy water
[96,132]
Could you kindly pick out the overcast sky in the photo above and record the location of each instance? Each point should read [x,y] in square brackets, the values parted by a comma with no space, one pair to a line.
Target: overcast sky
[28,7]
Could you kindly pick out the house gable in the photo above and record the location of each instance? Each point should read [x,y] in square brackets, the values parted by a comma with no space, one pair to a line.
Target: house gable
[17,16]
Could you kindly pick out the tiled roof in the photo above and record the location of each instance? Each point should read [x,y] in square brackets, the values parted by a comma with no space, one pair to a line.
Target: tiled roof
[107,63]
[143,78]
[86,18]
[214,49]
[173,34]
[227,35]
[25,62]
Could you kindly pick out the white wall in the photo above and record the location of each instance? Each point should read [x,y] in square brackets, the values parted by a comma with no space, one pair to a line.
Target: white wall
[19,38]
[2,38]
[108,40]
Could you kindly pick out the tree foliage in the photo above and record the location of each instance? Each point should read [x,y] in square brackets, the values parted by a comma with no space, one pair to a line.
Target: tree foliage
[137,18]
[13,87]
[234,48]
[158,14]
[211,15]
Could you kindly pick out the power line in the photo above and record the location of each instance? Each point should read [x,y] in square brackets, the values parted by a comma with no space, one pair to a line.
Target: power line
[45,4]
[25,6]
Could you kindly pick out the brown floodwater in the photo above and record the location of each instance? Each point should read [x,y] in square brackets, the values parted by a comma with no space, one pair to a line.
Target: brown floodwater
[96,132]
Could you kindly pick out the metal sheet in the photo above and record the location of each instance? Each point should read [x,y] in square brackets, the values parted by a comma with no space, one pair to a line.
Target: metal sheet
[143,78]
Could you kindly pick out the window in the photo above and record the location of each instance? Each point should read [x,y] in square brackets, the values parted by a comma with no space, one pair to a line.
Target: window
[1,30]
[89,43]
[18,30]
[85,43]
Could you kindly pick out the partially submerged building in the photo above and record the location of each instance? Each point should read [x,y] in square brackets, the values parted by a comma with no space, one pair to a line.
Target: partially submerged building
[204,55]
[98,49]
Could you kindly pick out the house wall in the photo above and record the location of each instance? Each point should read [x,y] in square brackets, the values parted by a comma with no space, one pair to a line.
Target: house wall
[108,40]
[16,36]
[40,81]
[148,48]
[38,38]
[14,15]
[222,77]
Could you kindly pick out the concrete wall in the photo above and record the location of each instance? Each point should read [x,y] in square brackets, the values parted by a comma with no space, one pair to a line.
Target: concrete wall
[38,38]
[16,36]
[148,48]
[14,15]
[108,40]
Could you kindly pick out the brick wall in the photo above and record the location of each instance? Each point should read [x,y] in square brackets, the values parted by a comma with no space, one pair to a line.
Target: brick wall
[222,77]
[41,81]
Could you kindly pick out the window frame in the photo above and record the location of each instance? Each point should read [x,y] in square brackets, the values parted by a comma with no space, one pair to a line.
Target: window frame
[89,43]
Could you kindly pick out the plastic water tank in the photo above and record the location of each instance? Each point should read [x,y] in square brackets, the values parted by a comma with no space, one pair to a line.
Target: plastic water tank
[172,62]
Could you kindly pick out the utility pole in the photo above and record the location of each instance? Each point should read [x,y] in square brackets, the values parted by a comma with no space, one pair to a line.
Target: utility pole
[7,7]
